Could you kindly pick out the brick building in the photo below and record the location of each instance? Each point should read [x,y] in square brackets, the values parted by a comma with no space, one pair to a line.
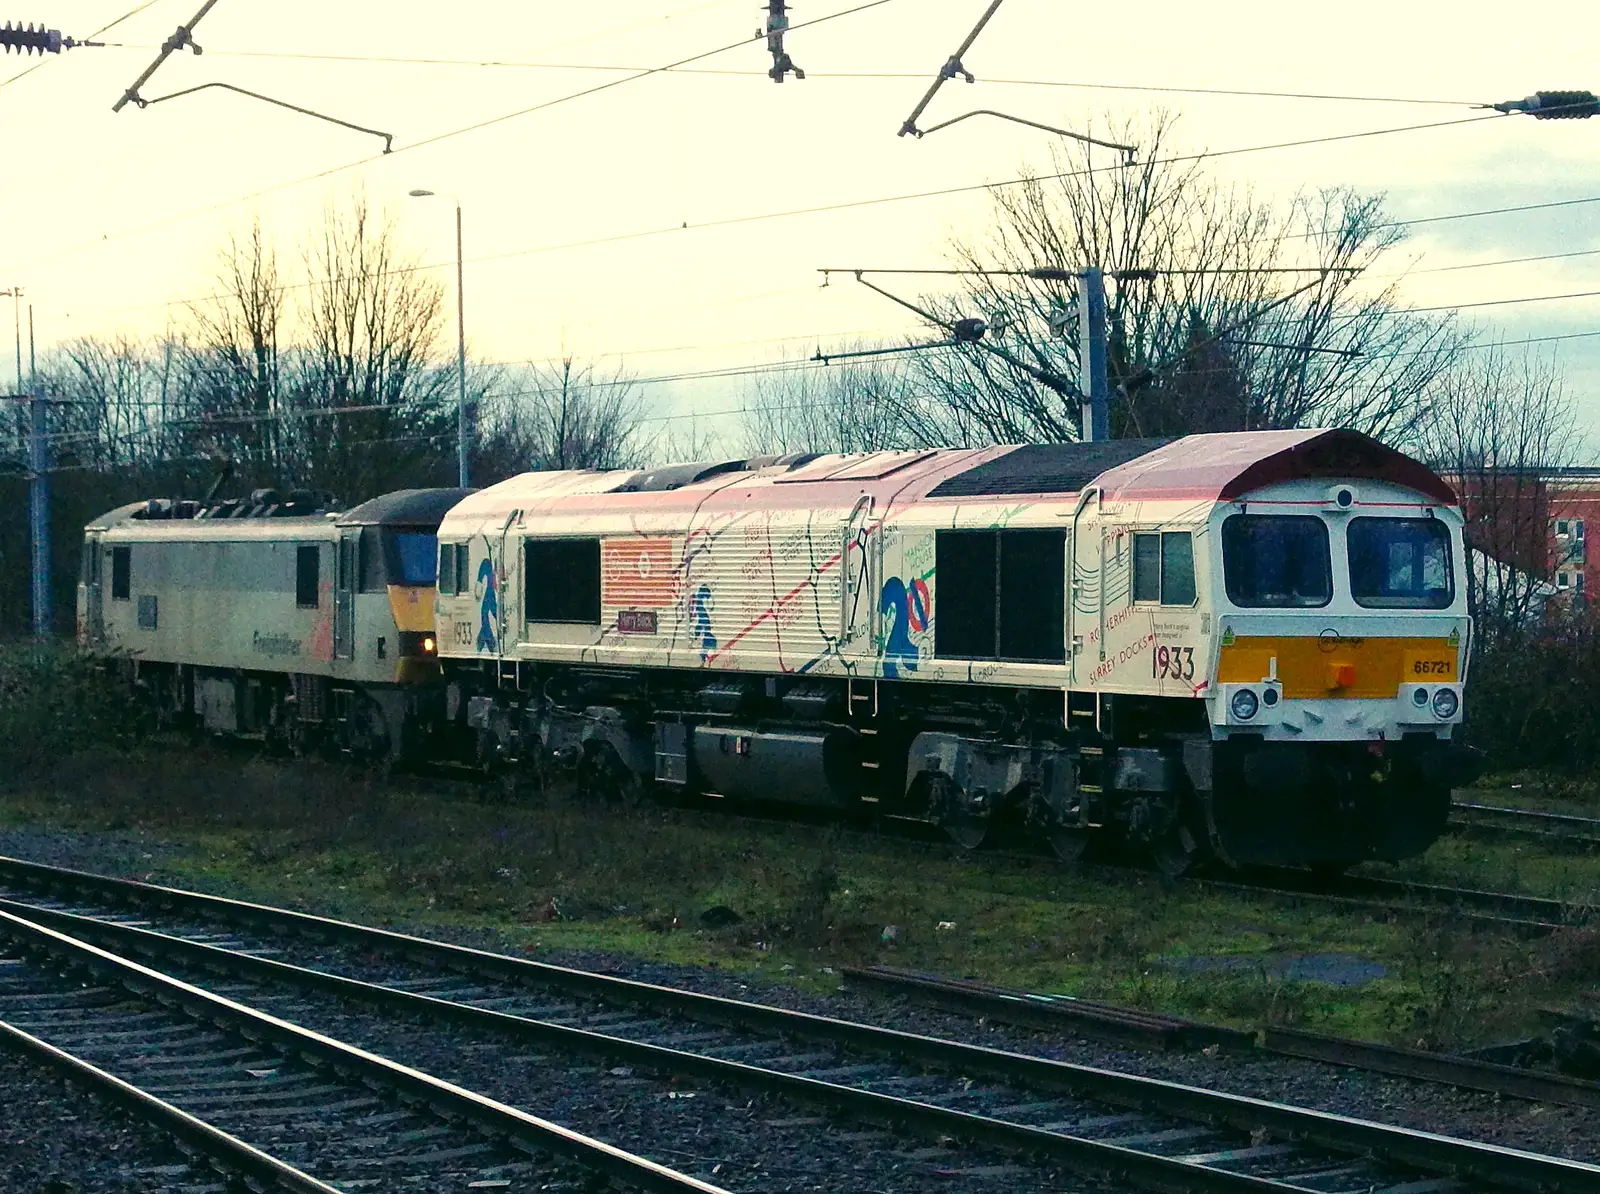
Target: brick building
[1537,522]
[1573,508]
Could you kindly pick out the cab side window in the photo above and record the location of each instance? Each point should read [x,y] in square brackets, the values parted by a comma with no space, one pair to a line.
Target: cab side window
[447,568]
[121,573]
[307,577]
[1163,568]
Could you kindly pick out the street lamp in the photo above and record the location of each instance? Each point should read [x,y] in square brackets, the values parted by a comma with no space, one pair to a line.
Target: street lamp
[461,342]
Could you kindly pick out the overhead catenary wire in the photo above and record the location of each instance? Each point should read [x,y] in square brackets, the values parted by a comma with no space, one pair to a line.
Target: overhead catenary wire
[330,171]
[895,76]
[788,213]
[485,258]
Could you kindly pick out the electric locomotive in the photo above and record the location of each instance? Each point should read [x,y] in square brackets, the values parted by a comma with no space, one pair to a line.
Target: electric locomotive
[1247,646]
[275,617]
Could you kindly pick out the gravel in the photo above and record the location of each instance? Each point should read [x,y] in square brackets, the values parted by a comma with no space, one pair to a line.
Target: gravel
[1557,1130]
[57,1138]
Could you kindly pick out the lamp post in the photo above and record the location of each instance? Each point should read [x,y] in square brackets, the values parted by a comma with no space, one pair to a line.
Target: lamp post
[461,342]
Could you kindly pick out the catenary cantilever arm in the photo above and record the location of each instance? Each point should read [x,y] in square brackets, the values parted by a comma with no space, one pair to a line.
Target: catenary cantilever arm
[1127,151]
[388,138]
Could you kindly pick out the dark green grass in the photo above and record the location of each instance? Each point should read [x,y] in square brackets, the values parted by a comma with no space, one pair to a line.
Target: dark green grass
[548,872]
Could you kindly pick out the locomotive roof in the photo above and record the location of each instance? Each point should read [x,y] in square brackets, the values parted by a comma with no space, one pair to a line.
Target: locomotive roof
[1210,467]
[410,507]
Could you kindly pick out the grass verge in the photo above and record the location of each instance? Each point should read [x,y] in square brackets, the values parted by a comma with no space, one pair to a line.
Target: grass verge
[792,902]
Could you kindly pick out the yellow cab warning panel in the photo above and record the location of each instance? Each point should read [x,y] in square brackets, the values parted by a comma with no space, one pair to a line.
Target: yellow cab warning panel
[1335,666]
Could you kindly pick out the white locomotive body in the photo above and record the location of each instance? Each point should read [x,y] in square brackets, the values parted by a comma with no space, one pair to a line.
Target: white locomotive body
[272,616]
[1245,644]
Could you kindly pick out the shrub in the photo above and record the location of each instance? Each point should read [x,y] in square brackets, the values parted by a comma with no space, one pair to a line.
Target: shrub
[1533,700]
[55,703]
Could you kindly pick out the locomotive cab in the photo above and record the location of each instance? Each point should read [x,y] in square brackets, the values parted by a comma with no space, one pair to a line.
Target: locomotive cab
[1340,655]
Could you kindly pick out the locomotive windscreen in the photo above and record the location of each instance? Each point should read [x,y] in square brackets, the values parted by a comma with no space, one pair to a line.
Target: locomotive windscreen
[416,556]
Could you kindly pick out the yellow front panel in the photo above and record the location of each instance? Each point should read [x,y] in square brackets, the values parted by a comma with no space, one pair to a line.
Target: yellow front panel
[413,607]
[1339,667]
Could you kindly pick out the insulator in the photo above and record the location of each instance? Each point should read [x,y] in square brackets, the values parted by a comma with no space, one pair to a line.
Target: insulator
[30,40]
[1564,105]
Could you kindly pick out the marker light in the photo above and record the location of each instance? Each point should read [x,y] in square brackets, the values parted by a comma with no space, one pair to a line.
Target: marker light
[429,646]
[1445,703]
[1419,698]
[1269,697]
[1244,704]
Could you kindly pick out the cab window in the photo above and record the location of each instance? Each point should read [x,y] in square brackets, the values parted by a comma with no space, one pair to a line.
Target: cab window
[447,568]
[1163,568]
[417,556]
[1400,563]
[1276,561]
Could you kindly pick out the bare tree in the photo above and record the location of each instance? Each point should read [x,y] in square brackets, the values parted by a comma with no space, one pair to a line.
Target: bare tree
[1204,332]
[1500,423]
[562,416]
[235,361]
[856,405]
[370,322]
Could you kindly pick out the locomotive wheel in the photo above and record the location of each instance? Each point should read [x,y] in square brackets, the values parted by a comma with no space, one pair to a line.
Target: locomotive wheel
[1176,852]
[967,830]
[1067,843]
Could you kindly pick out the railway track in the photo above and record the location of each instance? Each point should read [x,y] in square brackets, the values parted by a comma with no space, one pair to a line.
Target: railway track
[1495,819]
[1058,1013]
[1148,1132]
[1507,909]
[270,1102]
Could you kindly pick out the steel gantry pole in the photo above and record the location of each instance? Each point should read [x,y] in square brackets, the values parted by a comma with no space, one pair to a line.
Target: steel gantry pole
[462,472]
[38,493]
[461,358]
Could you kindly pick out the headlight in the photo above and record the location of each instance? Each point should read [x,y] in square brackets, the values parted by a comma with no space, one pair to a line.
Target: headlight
[429,646]
[1445,703]
[1419,698]
[1244,704]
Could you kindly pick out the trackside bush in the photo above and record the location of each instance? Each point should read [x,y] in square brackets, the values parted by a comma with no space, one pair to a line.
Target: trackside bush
[1533,700]
[54,703]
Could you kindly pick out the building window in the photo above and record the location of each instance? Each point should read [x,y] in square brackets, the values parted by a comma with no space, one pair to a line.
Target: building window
[1577,583]
[307,577]
[563,580]
[1562,529]
[1577,529]
[1561,580]
[121,573]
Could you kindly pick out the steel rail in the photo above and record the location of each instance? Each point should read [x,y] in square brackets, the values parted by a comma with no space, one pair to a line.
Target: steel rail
[1054,1012]
[232,1155]
[516,1127]
[1342,1134]
[1148,1170]
[1511,909]
[1563,827]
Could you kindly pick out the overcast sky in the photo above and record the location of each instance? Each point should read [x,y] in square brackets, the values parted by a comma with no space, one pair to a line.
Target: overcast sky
[112,222]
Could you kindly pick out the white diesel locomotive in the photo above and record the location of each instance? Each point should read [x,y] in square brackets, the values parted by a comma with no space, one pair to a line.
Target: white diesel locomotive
[1246,646]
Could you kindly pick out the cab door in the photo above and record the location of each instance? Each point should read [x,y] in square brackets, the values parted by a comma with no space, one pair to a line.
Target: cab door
[93,619]
[1085,603]
[346,581]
